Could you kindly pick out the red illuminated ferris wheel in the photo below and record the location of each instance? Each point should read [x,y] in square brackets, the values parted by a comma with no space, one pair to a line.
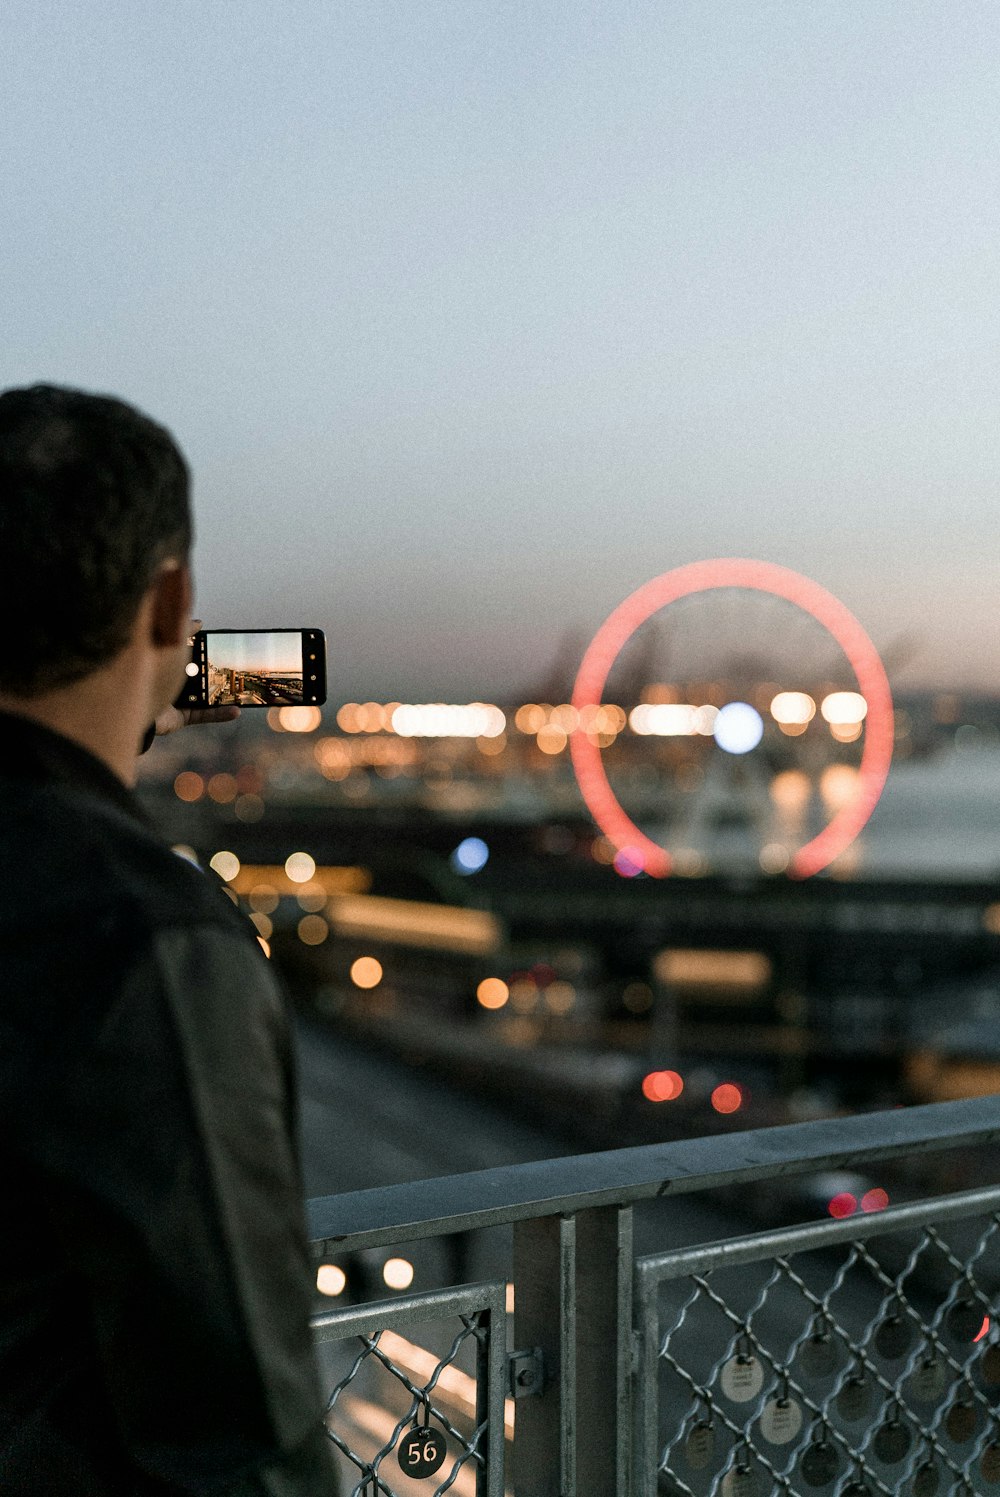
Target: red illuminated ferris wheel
[753,577]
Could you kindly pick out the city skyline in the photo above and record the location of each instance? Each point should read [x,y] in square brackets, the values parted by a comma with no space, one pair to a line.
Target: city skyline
[471,322]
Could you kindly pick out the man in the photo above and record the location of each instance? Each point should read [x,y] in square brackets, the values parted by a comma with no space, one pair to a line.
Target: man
[155,1280]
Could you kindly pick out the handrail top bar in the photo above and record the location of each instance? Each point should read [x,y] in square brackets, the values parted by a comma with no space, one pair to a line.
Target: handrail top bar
[578,1182]
[786,1242]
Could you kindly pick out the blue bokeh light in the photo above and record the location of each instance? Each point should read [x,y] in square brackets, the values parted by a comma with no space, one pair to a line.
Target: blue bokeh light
[738,728]
[470,855]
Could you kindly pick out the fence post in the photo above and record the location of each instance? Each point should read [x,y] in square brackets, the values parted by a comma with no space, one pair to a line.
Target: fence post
[645,1387]
[604,1341]
[545,1317]
[573,1299]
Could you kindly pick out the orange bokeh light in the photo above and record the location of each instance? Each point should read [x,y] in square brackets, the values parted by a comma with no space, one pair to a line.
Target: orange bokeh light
[189,786]
[366,972]
[875,1200]
[492,992]
[727,1097]
[223,788]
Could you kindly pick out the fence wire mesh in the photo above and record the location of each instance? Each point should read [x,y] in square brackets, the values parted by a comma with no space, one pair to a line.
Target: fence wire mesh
[858,1365]
[413,1401]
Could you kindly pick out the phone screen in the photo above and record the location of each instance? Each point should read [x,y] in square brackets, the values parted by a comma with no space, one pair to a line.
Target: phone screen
[256,668]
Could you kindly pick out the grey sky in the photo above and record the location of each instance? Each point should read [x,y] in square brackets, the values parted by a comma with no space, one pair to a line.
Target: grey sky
[471,318]
[272,652]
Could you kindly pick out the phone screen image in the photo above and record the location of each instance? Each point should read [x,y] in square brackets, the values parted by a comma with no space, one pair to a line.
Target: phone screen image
[260,669]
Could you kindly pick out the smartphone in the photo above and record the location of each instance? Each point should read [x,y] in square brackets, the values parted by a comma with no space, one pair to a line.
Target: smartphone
[256,668]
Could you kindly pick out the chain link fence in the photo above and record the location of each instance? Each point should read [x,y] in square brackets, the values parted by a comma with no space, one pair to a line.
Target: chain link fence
[857,1357]
[416,1401]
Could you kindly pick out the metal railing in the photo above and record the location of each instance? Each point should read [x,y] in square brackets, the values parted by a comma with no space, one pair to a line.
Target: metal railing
[855,1356]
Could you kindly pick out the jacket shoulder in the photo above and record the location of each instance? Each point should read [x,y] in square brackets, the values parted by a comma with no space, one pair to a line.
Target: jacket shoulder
[68,853]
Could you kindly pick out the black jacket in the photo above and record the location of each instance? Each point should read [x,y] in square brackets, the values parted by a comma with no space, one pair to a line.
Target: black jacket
[155,1279]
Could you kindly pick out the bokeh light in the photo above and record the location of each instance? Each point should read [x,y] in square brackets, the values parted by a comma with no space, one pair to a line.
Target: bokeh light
[773,858]
[627,862]
[311,897]
[529,718]
[398,1273]
[793,709]
[226,865]
[264,898]
[523,995]
[727,1097]
[638,997]
[330,1279]
[189,786]
[223,789]
[313,930]
[492,748]
[492,992]
[366,972]
[300,719]
[470,855]
[559,997]
[663,719]
[249,807]
[662,1086]
[565,716]
[552,739]
[838,785]
[442,720]
[738,728]
[790,791]
[842,1204]
[844,707]
[300,867]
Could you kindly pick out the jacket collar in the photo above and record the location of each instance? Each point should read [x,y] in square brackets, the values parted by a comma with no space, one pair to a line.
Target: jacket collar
[33,753]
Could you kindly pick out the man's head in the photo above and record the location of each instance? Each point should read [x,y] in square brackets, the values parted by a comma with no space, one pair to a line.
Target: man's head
[95,585]
[94,499]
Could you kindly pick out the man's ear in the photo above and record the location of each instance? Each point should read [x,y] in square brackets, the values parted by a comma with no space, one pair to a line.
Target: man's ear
[170,620]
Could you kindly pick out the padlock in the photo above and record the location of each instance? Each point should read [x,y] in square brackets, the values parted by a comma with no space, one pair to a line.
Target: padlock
[742,1377]
[699,1447]
[820,1354]
[855,1398]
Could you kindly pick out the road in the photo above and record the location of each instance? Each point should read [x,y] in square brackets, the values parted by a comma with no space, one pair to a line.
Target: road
[368,1120]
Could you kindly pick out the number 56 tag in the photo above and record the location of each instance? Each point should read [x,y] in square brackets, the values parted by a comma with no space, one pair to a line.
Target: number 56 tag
[421,1452]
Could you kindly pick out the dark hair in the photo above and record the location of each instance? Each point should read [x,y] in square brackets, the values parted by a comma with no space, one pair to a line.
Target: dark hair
[93,497]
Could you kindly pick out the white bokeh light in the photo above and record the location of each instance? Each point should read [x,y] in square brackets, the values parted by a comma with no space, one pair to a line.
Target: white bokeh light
[738,728]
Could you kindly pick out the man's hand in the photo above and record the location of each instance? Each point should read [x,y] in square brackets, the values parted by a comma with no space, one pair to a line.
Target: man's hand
[172,718]
[181,717]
